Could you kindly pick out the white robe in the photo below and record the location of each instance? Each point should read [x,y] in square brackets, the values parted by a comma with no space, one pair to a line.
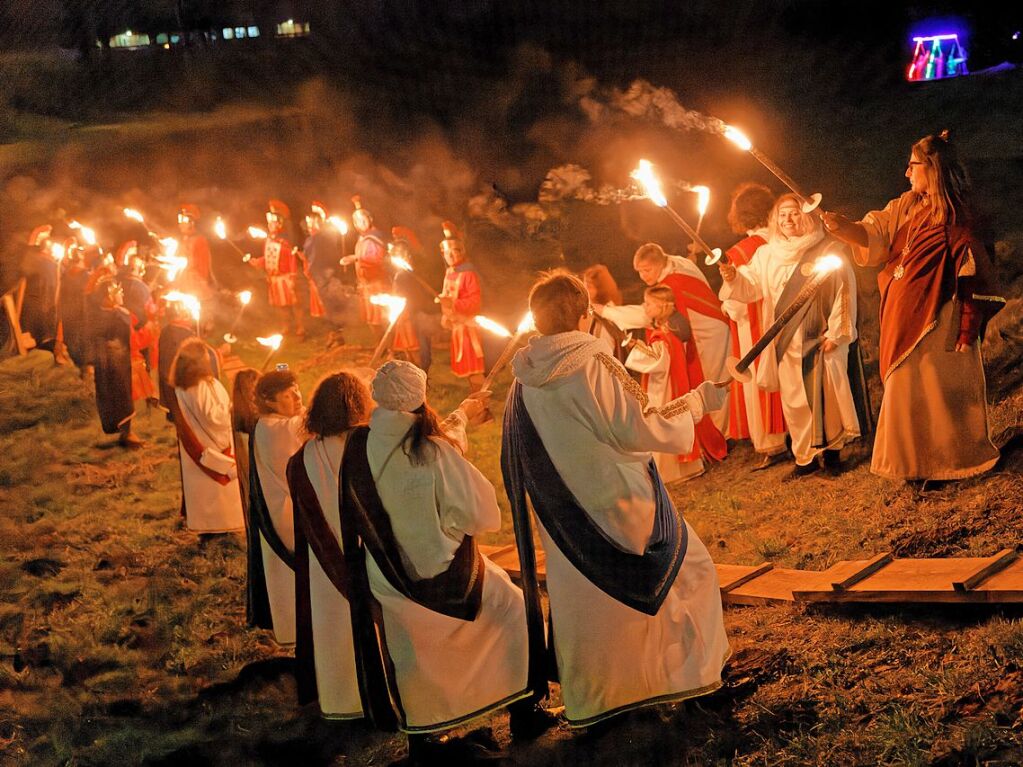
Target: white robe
[591,417]
[765,277]
[658,389]
[448,670]
[277,439]
[333,643]
[710,336]
[210,507]
[739,313]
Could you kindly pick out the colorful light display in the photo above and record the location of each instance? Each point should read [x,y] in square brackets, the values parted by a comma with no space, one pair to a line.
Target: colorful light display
[936,57]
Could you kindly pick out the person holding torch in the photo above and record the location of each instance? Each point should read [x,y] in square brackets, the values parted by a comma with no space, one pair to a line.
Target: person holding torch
[280,263]
[809,360]
[197,278]
[460,301]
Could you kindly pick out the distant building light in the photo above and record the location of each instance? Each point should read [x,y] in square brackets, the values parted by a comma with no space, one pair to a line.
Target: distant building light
[129,39]
[290,28]
[253,31]
[161,39]
[175,39]
[228,33]
[936,57]
[239,33]
[1015,35]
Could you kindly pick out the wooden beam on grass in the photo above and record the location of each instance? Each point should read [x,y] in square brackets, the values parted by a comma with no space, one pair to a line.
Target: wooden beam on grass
[868,569]
[995,564]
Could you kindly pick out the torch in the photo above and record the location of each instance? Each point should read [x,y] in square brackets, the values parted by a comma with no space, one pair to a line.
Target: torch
[395,308]
[738,138]
[702,203]
[342,228]
[190,302]
[243,299]
[739,369]
[525,327]
[135,215]
[404,265]
[256,234]
[88,235]
[644,174]
[273,343]
[220,229]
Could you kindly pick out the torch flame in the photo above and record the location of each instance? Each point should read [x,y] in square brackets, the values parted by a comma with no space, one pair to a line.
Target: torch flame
[244,297]
[191,302]
[88,235]
[256,233]
[57,251]
[401,263]
[395,304]
[134,215]
[494,327]
[220,229]
[702,198]
[170,246]
[827,263]
[644,174]
[273,342]
[738,138]
[172,264]
[338,223]
[526,325]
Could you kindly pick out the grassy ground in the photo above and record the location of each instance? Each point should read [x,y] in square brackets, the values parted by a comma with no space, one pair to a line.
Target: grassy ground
[122,637]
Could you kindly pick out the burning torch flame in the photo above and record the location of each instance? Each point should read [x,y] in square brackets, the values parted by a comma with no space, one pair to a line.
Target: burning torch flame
[190,302]
[256,233]
[170,246]
[494,327]
[57,251]
[702,198]
[87,234]
[827,263]
[134,215]
[273,342]
[644,174]
[401,263]
[395,304]
[738,138]
[338,223]
[526,325]
[220,229]
[244,297]
[173,265]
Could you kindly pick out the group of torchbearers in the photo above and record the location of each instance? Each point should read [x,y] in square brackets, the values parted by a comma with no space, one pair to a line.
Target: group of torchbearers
[362,511]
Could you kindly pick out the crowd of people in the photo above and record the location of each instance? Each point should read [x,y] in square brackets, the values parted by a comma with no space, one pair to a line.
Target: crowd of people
[363,511]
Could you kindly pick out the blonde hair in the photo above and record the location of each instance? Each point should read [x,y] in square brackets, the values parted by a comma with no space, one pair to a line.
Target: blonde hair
[662,293]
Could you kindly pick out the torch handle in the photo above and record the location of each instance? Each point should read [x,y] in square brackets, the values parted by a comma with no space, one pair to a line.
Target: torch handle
[798,302]
[385,342]
[693,234]
[238,250]
[502,361]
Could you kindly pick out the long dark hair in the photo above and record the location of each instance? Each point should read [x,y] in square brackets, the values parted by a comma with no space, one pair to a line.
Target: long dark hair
[948,180]
[340,402]
[191,364]
[417,444]
[243,400]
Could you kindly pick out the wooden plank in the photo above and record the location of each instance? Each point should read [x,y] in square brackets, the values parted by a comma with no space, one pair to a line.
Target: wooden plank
[740,579]
[995,564]
[773,586]
[868,569]
[1008,580]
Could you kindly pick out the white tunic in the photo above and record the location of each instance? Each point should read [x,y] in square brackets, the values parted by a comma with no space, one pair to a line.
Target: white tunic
[765,277]
[739,313]
[590,416]
[277,439]
[448,670]
[210,507]
[711,336]
[333,647]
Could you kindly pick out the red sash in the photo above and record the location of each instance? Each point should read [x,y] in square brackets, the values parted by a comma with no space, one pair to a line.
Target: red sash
[191,444]
[686,374]
[772,417]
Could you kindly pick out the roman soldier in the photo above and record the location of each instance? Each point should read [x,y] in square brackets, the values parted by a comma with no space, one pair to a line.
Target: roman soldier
[197,278]
[414,332]
[370,266]
[110,328]
[39,268]
[280,263]
[71,303]
[460,302]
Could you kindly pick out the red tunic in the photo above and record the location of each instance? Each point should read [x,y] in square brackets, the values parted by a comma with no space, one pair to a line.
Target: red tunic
[685,374]
[770,402]
[462,284]
[281,267]
[371,274]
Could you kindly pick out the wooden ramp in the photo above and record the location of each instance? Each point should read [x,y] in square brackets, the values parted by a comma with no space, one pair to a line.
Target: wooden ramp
[997,579]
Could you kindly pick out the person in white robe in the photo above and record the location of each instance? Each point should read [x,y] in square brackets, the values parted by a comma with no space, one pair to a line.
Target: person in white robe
[797,240]
[594,420]
[710,334]
[209,476]
[279,434]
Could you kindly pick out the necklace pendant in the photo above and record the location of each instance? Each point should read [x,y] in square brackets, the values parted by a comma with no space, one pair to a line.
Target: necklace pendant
[900,272]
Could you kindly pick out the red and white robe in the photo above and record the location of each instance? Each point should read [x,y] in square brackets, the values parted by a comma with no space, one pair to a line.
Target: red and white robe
[462,285]
[281,266]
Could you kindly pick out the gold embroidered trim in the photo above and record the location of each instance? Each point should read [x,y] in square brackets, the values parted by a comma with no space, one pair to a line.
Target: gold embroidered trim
[909,351]
[996,299]
[615,368]
[969,267]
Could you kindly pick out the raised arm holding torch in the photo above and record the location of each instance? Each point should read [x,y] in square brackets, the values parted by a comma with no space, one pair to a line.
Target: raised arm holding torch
[525,328]
[395,308]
